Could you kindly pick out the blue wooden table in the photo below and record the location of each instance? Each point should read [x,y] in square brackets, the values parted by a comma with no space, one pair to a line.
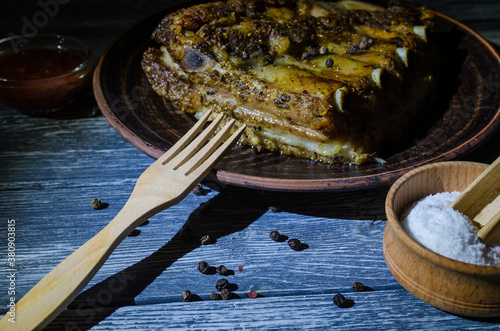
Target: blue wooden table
[51,168]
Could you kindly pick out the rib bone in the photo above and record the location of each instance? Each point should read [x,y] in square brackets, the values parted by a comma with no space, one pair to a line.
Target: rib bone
[403,55]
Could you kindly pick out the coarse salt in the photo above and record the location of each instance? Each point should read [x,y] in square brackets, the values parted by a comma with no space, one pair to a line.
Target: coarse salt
[446,231]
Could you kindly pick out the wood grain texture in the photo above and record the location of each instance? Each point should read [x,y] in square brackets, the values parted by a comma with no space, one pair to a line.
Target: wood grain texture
[163,184]
[480,202]
[50,169]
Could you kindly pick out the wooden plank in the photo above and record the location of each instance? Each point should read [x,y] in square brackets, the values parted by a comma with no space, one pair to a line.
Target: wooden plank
[50,168]
[371,311]
[340,252]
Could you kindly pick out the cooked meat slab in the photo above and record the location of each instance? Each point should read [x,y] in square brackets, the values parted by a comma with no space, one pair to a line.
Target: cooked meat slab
[328,81]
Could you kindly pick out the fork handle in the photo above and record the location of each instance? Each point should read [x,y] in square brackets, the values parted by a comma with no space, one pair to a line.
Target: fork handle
[60,287]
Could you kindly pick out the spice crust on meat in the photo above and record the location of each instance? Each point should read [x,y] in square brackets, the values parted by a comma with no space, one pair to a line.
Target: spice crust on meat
[328,81]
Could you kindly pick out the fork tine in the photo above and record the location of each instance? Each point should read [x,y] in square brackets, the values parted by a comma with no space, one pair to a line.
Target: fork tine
[201,171]
[186,139]
[203,153]
[183,156]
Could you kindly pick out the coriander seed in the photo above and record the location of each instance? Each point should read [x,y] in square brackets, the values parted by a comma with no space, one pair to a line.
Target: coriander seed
[96,203]
[225,294]
[205,240]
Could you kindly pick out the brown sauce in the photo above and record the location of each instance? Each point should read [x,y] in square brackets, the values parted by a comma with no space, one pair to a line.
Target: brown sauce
[41,80]
[35,63]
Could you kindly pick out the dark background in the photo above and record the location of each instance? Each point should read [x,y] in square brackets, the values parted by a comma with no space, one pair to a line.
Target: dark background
[98,20]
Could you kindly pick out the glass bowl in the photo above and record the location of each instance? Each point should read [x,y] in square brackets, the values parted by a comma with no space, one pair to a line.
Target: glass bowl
[42,74]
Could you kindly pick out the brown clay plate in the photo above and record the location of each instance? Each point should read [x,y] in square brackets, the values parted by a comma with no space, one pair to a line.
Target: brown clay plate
[467,112]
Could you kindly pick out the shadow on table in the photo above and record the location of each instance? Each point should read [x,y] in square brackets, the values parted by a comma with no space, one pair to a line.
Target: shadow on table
[232,210]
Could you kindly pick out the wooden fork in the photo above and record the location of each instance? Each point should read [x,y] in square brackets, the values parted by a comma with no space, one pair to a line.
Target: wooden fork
[165,183]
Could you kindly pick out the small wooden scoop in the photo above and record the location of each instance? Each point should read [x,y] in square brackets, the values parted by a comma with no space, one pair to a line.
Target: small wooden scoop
[480,202]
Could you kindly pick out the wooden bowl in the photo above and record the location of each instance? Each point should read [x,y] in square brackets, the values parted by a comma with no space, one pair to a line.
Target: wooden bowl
[455,287]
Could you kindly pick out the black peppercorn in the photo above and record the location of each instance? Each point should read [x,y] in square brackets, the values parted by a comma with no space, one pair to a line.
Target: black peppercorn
[225,294]
[221,284]
[202,267]
[358,287]
[221,270]
[186,296]
[305,56]
[215,296]
[274,235]
[284,97]
[329,63]
[339,300]
[294,244]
